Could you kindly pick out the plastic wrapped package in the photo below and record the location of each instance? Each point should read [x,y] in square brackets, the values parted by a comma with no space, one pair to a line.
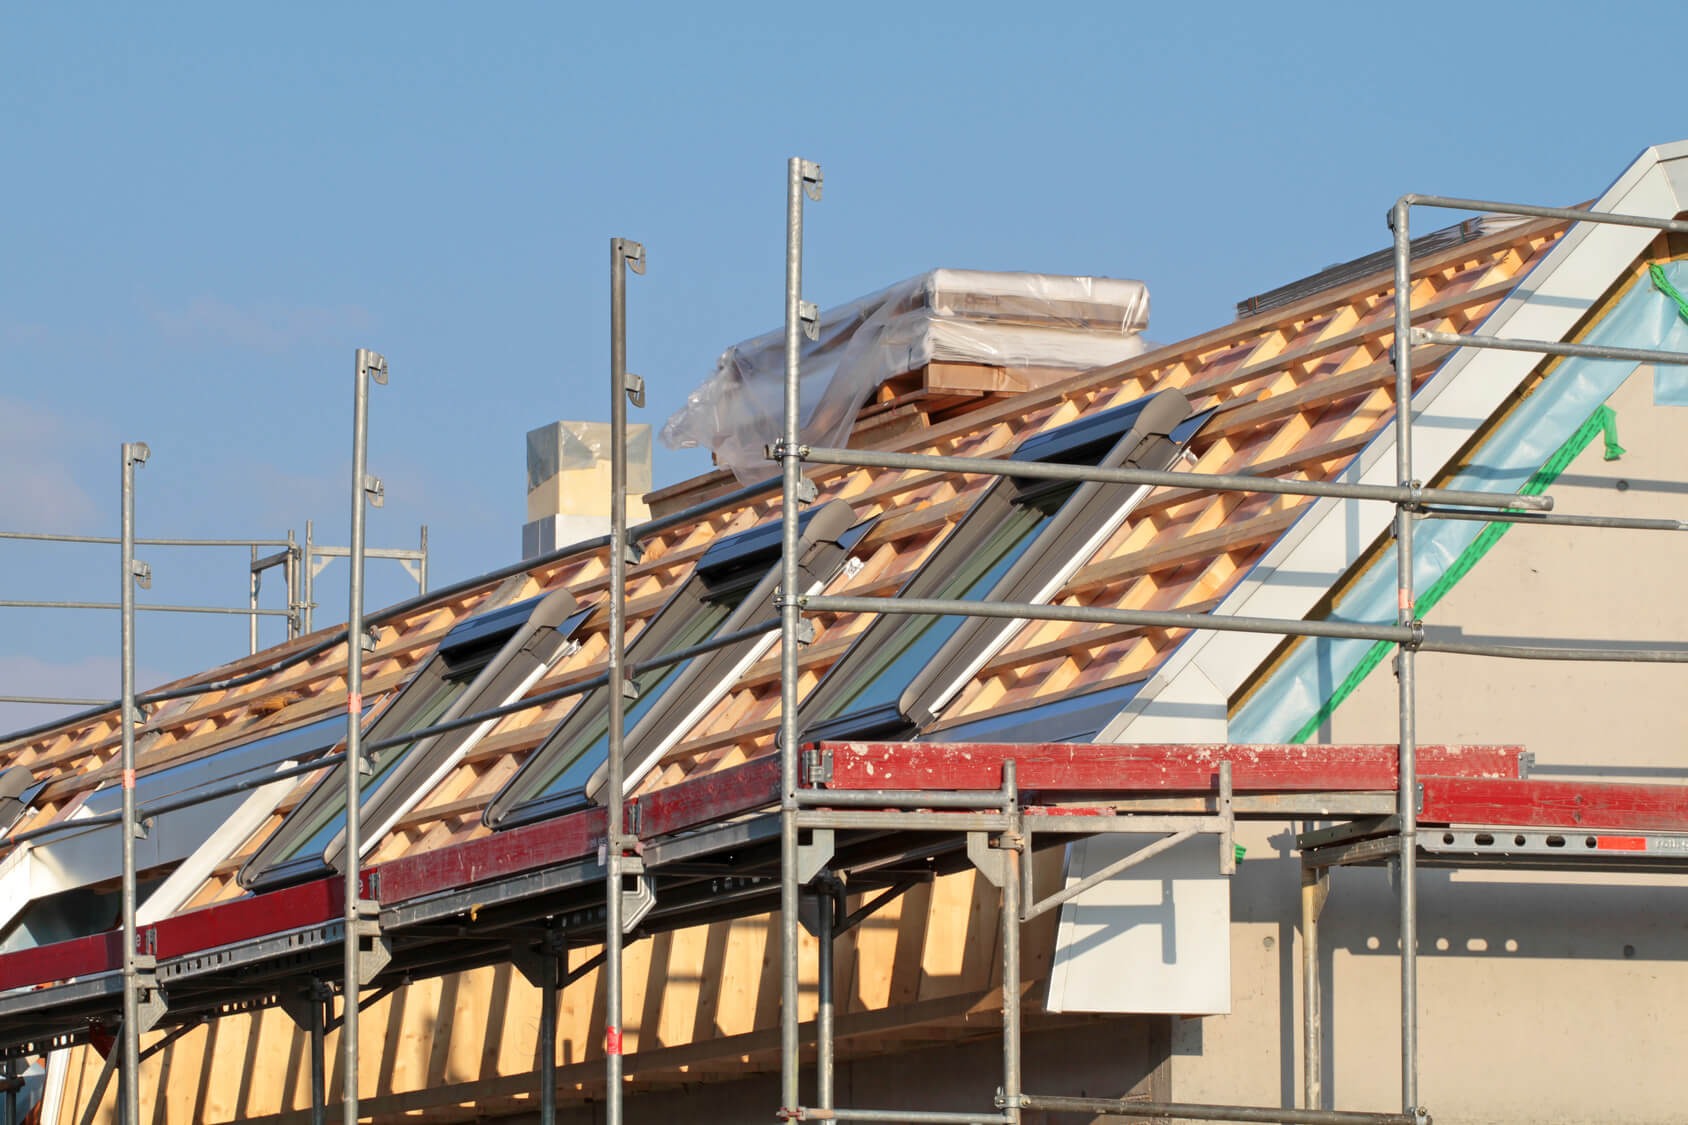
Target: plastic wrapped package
[1012,322]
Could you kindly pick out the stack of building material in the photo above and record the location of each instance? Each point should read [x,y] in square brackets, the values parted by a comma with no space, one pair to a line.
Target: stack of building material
[915,350]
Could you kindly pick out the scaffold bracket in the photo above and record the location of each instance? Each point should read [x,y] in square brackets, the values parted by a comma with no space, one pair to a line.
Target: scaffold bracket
[991,862]
[813,857]
[817,766]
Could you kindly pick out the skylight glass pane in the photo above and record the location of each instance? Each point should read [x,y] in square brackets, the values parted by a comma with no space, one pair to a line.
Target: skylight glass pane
[331,817]
[592,746]
[884,676]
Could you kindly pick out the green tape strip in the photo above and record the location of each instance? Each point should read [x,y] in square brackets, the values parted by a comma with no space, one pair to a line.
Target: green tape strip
[1604,421]
[1663,285]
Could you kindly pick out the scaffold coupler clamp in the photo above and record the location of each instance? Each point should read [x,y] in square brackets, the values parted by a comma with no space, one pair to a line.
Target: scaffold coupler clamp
[1421,1116]
[1003,1101]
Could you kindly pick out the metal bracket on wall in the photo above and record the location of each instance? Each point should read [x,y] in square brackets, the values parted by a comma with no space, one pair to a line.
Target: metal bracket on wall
[529,959]
[152,1004]
[638,902]
[991,862]
[375,950]
[297,1005]
[817,767]
[813,857]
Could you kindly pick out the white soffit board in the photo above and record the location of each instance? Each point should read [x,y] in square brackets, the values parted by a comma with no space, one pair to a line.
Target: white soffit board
[1156,938]
[1314,553]
[16,879]
[191,873]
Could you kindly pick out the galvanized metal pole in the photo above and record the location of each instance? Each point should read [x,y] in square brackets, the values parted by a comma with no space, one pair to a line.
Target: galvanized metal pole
[422,563]
[367,365]
[1315,885]
[1011,874]
[308,575]
[129,1081]
[294,624]
[622,253]
[547,1035]
[824,1070]
[791,467]
[319,1064]
[252,600]
[1406,794]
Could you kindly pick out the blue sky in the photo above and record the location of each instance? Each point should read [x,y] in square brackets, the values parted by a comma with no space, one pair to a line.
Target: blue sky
[208,207]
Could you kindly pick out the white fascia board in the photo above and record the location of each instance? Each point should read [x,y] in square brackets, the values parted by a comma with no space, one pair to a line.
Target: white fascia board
[1474,382]
[191,873]
[17,879]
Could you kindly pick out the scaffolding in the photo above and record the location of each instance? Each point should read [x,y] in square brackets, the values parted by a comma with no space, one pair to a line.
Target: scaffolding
[299,564]
[1394,837]
[763,835]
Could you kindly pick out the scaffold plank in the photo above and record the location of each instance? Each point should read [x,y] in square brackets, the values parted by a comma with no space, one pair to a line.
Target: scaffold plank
[1091,767]
[1542,803]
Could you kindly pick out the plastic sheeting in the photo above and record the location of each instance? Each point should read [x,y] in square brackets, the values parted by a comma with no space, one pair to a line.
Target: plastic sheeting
[1005,320]
[1643,318]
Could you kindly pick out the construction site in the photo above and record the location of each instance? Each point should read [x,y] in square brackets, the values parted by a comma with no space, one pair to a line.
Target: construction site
[1022,723]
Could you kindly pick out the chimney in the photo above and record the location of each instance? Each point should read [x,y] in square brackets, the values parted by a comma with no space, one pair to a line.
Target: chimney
[568,483]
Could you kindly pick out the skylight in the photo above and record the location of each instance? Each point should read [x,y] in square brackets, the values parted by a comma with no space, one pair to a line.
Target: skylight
[731,589]
[1019,543]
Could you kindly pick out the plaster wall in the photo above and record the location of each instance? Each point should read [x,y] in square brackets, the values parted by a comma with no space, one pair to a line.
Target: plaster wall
[1544,997]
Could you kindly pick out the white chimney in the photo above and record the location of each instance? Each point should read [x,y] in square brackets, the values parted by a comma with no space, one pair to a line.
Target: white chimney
[568,483]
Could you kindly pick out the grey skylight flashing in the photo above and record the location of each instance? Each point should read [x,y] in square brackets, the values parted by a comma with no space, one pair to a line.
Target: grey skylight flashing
[528,645]
[750,559]
[1147,433]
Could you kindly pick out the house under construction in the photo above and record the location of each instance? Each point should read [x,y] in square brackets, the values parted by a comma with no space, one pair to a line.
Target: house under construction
[1021,722]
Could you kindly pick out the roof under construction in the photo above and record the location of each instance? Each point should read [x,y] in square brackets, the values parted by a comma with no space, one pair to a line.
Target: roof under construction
[477,831]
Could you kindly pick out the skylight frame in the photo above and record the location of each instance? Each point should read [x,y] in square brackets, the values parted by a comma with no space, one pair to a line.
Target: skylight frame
[523,647]
[1150,432]
[749,560]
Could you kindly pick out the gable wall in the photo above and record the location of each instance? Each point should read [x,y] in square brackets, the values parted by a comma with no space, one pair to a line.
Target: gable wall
[1543,996]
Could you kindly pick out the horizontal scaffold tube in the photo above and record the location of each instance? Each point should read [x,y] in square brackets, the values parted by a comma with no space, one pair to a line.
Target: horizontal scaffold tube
[1218,482]
[1575,215]
[1097,615]
[47,537]
[1196,1112]
[1554,519]
[245,612]
[1548,347]
[1512,650]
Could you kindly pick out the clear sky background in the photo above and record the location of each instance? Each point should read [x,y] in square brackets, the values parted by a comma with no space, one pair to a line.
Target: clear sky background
[206,208]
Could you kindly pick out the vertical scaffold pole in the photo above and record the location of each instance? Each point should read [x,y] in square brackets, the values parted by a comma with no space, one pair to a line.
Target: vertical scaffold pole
[319,1065]
[547,1034]
[368,366]
[252,602]
[295,623]
[824,984]
[1407,791]
[1017,859]
[1315,886]
[307,580]
[623,253]
[129,1080]
[801,176]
